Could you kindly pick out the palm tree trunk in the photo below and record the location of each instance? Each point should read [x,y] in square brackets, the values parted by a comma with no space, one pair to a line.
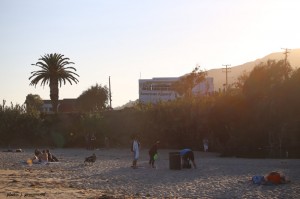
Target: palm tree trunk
[54,94]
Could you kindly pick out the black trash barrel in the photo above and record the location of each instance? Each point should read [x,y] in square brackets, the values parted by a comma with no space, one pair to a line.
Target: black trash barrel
[174,160]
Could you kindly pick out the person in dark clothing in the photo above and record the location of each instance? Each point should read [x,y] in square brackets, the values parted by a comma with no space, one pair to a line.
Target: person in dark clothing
[153,153]
[92,141]
[37,152]
[187,155]
[51,157]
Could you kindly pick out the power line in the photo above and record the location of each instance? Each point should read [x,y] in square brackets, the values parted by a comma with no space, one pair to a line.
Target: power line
[227,70]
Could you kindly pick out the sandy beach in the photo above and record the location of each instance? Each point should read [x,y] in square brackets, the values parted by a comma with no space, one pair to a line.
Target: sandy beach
[111,176]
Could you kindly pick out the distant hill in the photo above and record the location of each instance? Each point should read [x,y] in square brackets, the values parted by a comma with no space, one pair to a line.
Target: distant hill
[127,105]
[235,71]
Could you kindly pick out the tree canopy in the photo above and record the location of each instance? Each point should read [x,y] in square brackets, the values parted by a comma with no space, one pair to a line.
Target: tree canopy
[33,103]
[186,83]
[93,99]
[55,70]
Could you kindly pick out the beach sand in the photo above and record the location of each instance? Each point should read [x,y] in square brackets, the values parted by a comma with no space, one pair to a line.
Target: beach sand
[111,176]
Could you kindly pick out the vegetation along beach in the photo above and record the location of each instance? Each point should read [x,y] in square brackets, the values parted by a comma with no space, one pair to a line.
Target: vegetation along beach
[150,99]
[247,130]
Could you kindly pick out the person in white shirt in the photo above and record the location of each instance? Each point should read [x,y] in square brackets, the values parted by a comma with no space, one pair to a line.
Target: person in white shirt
[205,144]
[136,151]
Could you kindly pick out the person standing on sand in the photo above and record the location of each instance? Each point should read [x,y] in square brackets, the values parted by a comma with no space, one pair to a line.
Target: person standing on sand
[106,142]
[135,148]
[93,141]
[153,153]
[205,145]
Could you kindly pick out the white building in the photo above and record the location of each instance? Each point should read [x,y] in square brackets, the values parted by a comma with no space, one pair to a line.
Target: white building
[159,89]
[47,106]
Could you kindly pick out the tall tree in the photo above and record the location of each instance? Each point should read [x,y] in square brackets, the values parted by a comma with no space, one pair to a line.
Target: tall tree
[186,83]
[33,103]
[264,91]
[94,99]
[54,71]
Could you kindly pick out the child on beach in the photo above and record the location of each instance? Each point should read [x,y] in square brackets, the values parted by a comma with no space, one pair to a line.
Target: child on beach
[153,153]
[205,145]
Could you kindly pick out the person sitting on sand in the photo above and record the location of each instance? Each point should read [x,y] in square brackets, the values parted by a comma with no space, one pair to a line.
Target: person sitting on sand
[40,156]
[37,152]
[35,158]
[43,157]
[187,155]
[51,157]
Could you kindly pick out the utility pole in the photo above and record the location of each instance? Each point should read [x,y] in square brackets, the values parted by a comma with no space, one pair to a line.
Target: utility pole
[109,92]
[227,70]
[286,52]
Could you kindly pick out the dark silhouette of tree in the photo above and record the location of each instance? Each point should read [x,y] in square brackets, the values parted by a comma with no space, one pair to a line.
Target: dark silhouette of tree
[264,92]
[94,99]
[239,84]
[186,83]
[54,71]
[265,80]
[257,117]
[292,95]
[33,103]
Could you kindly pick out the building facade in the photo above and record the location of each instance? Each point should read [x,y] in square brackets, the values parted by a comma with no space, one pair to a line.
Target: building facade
[160,89]
[64,106]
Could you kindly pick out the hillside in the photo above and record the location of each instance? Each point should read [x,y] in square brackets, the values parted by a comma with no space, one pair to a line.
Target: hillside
[235,71]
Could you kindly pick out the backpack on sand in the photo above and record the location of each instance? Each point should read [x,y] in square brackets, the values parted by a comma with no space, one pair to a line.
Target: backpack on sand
[258,180]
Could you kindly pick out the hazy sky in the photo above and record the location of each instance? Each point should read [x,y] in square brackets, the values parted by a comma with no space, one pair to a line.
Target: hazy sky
[129,39]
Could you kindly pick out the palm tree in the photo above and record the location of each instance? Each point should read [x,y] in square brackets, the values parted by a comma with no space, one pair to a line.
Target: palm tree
[54,71]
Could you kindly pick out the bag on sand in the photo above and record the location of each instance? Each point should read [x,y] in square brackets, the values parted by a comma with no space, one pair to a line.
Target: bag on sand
[274,177]
[258,179]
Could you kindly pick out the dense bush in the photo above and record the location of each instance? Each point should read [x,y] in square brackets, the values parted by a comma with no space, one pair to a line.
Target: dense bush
[259,118]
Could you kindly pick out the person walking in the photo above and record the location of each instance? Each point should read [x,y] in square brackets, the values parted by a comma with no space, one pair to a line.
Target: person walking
[153,153]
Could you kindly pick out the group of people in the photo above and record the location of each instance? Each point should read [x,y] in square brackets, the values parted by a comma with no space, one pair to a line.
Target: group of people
[187,155]
[43,156]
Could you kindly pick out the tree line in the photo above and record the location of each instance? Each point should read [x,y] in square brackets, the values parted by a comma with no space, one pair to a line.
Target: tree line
[257,116]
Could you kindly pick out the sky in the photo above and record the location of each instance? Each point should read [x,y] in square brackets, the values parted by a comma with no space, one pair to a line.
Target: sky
[131,39]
